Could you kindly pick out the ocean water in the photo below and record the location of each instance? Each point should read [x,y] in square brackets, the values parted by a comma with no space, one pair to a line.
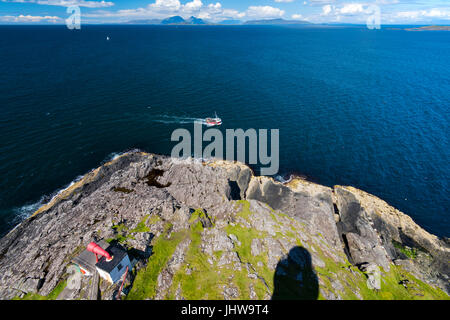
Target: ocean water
[354,107]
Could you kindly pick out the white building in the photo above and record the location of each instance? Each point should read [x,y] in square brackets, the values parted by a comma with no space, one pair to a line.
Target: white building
[113,270]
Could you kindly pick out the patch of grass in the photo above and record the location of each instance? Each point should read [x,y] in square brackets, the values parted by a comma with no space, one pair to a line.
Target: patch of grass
[124,233]
[196,215]
[153,219]
[144,285]
[411,253]
[245,209]
[218,254]
[120,227]
[202,281]
[354,280]
[52,295]
[245,237]
[392,289]
[198,279]
[122,238]
[142,226]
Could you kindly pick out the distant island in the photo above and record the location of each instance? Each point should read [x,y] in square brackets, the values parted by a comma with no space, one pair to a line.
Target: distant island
[178,20]
[175,20]
[430,28]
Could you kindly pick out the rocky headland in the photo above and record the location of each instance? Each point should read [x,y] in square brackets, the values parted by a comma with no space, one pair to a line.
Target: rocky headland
[214,230]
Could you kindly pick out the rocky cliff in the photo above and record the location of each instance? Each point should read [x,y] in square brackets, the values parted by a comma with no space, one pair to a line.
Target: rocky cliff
[213,230]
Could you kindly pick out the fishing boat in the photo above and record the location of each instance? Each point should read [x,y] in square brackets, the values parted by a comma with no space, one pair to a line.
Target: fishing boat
[216,121]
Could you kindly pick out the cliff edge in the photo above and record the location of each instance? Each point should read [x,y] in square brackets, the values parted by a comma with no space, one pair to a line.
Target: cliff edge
[213,230]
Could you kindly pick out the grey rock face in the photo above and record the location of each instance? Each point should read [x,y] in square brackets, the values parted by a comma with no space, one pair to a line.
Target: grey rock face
[315,211]
[373,275]
[137,196]
[166,275]
[202,186]
[257,247]
[378,226]
[230,293]
[363,251]
[46,242]
[214,240]
[363,242]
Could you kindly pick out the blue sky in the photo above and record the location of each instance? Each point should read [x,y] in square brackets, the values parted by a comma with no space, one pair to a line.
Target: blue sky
[317,11]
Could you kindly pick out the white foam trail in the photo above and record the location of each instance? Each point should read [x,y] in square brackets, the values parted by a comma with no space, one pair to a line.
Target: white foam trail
[179,120]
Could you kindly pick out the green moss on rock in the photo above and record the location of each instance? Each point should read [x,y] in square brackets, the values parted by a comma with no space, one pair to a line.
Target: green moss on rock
[51,296]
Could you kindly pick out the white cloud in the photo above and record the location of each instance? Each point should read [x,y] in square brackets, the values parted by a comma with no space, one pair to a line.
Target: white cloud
[194,5]
[348,9]
[215,7]
[387,1]
[161,9]
[353,11]
[166,5]
[356,12]
[29,18]
[326,10]
[352,8]
[233,14]
[320,2]
[420,15]
[258,12]
[68,3]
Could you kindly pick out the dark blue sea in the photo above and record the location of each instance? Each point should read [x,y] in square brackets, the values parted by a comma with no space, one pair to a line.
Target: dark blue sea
[354,106]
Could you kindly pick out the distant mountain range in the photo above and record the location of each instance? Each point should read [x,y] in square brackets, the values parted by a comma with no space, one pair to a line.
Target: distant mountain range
[177,20]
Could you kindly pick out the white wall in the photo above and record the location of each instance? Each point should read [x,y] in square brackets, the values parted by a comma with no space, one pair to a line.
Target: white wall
[116,274]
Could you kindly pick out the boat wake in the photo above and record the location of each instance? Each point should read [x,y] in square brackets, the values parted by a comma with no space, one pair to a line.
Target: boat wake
[179,120]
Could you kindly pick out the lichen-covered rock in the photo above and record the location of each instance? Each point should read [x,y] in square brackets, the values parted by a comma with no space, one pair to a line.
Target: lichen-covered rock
[212,230]
[390,230]
[306,204]
[363,251]
[173,265]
